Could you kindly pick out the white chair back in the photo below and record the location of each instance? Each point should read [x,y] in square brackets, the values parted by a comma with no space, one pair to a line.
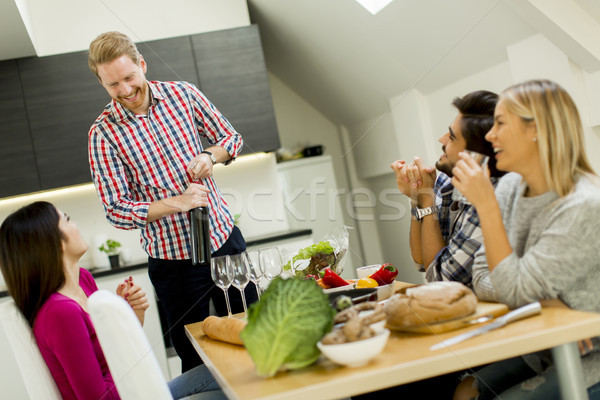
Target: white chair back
[31,377]
[134,368]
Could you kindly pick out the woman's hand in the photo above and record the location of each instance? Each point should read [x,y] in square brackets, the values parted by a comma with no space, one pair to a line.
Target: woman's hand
[135,296]
[473,181]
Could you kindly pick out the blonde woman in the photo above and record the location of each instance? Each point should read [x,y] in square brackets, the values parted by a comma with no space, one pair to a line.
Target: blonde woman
[540,230]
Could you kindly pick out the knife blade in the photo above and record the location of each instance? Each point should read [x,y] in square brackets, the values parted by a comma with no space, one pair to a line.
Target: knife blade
[519,313]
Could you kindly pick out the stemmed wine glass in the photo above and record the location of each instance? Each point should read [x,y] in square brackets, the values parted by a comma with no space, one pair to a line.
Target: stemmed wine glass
[271,263]
[241,276]
[255,269]
[222,274]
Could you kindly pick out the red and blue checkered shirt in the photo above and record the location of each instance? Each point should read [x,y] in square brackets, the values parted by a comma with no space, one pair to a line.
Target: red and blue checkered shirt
[137,159]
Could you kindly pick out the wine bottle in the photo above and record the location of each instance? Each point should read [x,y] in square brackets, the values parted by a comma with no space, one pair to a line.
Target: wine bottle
[200,236]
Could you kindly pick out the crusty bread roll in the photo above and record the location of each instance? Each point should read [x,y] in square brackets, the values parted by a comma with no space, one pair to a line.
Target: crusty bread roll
[430,303]
[224,329]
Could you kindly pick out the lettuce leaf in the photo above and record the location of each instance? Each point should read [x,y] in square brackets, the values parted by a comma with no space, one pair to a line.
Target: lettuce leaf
[286,324]
[318,253]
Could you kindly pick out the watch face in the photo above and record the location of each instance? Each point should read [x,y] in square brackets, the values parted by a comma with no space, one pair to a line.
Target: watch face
[211,155]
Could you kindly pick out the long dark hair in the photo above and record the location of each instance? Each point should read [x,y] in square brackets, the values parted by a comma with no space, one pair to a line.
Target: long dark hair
[31,256]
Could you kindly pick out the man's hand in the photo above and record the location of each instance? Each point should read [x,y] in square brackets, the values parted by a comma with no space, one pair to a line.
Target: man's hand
[424,178]
[196,195]
[400,168]
[200,167]
[415,180]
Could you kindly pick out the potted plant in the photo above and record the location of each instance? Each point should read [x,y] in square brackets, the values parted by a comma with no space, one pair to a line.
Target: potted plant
[111,248]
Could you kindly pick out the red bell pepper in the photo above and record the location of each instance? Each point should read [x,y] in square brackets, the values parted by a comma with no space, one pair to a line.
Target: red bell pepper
[332,279]
[385,275]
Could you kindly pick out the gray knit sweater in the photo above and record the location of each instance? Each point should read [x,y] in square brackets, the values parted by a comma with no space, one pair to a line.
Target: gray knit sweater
[556,254]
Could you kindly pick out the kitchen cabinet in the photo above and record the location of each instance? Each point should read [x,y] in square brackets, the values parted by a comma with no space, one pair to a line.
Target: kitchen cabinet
[18,171]
[233,75]
[49,103]
[169,60]
[63,98]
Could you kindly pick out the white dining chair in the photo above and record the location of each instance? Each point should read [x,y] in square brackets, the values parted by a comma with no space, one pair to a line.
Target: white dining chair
[132,363]
[23,372]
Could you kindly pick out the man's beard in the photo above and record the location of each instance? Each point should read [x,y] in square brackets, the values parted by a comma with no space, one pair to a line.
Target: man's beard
[445,168]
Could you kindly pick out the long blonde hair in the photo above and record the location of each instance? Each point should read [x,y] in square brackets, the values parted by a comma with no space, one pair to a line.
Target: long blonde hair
[108,47]
[559,131]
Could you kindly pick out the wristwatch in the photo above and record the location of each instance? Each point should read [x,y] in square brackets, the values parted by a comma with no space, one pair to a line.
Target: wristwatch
[211,155]
[420,213]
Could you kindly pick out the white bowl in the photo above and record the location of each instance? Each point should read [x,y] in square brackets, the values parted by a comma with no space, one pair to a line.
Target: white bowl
[384,292]
[365,272]
[355,354]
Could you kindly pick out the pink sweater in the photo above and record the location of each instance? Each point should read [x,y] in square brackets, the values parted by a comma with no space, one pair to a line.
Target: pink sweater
[68,342]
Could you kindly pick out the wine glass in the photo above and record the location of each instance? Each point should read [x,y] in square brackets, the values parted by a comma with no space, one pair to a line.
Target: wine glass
[254,267]
[241,276]
[222,275]
[270,261]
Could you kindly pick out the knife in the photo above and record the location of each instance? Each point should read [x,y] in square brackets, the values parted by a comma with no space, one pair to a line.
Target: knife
[519,313]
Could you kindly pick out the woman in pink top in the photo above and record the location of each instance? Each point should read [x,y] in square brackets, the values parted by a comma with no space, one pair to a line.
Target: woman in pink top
[40,250]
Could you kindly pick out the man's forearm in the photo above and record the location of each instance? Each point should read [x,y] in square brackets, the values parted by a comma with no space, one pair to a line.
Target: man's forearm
[431,239]
[161,208]
[415,241]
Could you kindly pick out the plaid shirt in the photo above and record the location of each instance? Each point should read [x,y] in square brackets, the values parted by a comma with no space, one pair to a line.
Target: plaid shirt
[136,160]
[462,235]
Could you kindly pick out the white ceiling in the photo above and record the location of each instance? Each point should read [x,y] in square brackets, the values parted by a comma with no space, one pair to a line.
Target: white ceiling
[348,63]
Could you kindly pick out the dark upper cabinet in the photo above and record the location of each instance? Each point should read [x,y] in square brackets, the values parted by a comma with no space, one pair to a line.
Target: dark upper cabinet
[233,76]
[18,172]
[169,60]
[48,104]
[63,99]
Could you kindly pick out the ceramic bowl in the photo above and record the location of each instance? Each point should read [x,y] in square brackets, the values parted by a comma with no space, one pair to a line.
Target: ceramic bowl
[355,354]
[365,272]
[385,292]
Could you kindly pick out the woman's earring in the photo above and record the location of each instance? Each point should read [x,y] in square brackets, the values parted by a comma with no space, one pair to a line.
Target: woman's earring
[534,139]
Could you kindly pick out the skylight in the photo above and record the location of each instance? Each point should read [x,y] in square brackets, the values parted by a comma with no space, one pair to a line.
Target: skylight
[374,6]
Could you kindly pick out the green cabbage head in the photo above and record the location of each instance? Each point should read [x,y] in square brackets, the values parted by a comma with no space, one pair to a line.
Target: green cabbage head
[286,324]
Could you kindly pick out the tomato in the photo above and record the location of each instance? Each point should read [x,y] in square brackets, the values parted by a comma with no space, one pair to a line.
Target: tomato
[366,283]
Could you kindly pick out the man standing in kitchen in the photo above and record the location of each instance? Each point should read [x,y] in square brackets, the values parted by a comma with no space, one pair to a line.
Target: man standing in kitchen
[445,234]
[150,168]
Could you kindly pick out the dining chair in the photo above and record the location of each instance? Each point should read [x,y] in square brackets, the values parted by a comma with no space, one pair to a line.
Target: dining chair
[23,372]
[132,363]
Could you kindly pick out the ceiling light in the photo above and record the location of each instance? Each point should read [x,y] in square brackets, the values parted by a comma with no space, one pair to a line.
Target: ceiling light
[374,6]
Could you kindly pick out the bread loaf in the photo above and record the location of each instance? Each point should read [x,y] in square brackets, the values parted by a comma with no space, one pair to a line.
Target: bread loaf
[430,303]
[224,329]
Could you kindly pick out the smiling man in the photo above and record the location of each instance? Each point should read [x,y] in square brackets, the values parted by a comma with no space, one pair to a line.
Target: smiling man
[150,168]
[445,234]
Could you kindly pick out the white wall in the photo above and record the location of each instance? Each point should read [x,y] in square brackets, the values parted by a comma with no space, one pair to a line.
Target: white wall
[300,125]
[57,26]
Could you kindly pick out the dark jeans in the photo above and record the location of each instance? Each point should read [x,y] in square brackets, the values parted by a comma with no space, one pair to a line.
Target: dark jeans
[185,291]
[438,388]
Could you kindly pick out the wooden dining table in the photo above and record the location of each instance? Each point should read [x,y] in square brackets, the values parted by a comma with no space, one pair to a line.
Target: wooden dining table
[406,358]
